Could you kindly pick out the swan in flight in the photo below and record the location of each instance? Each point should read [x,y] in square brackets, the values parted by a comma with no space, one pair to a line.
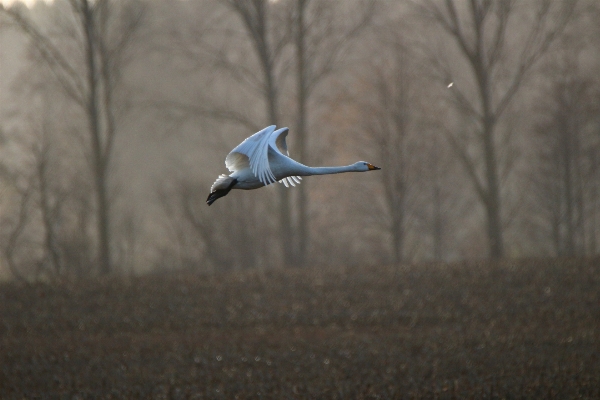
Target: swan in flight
[263,159]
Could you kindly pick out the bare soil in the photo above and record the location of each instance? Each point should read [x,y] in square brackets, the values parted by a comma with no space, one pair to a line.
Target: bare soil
[526,329]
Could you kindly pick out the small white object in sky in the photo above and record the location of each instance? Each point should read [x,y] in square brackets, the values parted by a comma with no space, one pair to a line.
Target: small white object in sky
[450,85]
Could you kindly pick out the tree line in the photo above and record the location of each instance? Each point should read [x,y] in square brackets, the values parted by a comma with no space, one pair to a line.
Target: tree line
[116,117]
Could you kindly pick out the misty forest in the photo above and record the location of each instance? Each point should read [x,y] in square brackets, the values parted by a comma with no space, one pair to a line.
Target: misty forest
[116,117]
[466,267]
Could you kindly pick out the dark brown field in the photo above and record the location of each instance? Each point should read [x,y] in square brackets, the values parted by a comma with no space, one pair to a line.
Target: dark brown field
[527,329]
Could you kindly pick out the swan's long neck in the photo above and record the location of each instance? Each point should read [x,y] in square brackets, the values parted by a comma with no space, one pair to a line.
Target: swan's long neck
[328,170]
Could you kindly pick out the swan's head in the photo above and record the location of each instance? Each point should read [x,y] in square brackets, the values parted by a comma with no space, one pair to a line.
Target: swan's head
[363,166]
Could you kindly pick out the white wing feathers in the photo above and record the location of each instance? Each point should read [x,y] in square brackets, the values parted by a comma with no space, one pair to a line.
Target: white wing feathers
[255,148]
[254,153]
[290,180]
[278,143]
[236,161]
[222,182]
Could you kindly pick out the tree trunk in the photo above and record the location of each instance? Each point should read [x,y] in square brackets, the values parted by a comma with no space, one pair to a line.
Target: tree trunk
[397,227]
[98,156]
[302,228]
[254,16]
[47,212]
[286,232]
[285,220]
[438,254]
[492,203]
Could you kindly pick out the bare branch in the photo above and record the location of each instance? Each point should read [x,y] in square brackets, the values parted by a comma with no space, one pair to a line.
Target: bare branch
[468,163]
[67,76]
[15,232]
[219,114]
[496,49]
[536,45]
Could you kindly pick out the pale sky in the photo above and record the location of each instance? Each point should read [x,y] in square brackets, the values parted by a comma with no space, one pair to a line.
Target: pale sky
[29,3]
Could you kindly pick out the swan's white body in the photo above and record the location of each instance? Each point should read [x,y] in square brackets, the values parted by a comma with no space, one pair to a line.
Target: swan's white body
[263,159]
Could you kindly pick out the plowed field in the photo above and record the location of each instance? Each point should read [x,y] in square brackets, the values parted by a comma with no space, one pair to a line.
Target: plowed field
[526,329]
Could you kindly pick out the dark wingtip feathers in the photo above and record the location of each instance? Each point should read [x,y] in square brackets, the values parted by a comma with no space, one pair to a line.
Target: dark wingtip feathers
[220,193]
[211,198]
[216,195]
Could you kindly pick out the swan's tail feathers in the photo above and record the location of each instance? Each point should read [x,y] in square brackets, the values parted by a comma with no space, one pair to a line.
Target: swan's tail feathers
[290,181]
[220,188]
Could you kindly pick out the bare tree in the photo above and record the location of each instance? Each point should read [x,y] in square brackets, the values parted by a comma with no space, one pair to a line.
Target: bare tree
[499,55]
[104,33]
[49,206]
[320,40]
[45,165]
[388,123]
[268,43]
[565,172]
[419,181]
[236,55]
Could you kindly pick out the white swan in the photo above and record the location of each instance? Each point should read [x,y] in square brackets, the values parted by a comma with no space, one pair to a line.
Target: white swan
[263,159]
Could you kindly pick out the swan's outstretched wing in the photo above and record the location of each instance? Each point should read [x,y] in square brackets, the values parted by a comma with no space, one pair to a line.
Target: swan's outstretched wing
[279,144]
[253,153]
[277,141]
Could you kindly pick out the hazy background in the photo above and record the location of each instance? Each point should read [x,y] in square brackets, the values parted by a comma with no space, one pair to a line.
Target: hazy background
[116,117]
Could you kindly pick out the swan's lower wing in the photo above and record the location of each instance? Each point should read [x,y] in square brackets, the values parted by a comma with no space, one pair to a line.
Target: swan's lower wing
[237,161]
